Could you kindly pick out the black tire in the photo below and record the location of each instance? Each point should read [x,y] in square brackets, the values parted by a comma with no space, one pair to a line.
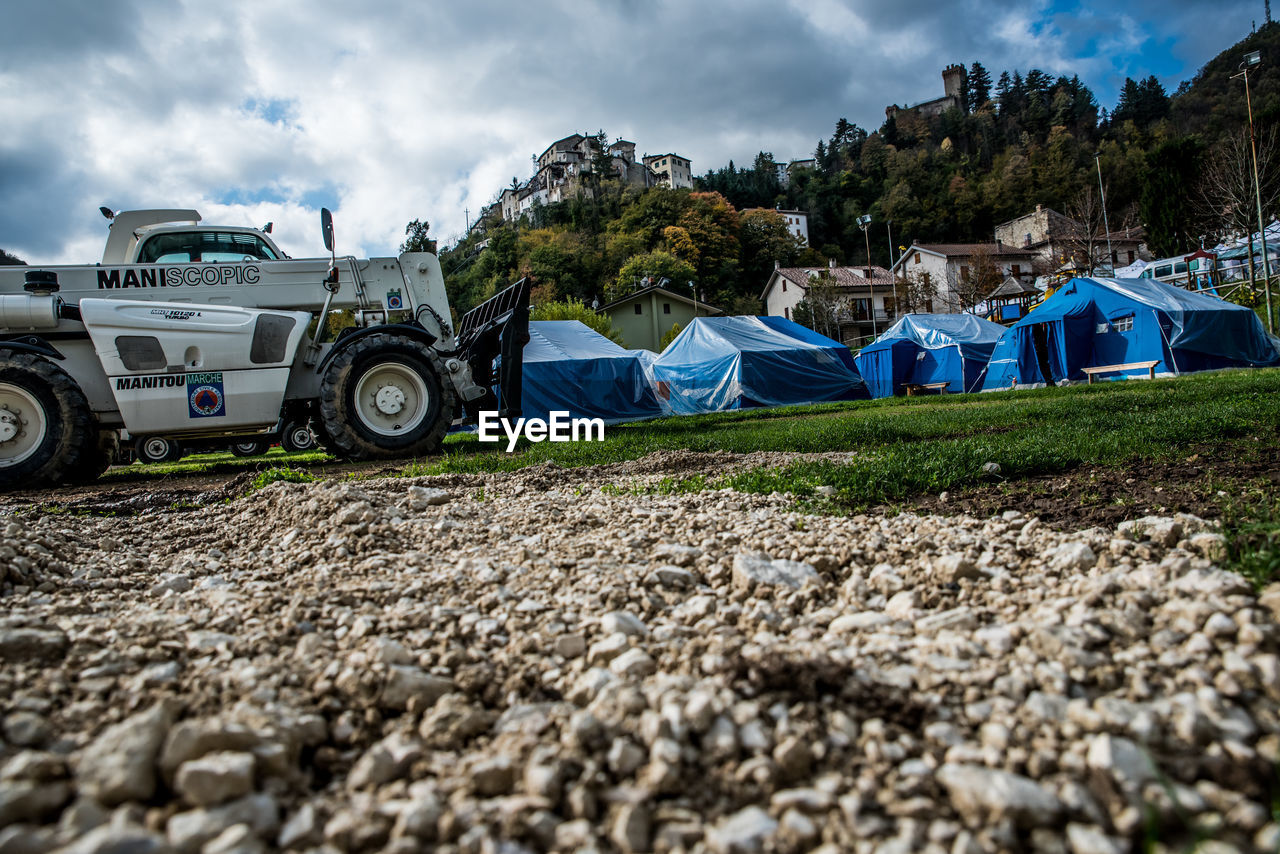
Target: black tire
[100,453]
[254,448]
[404,409]
[297,436]
[156,449]
[45,423]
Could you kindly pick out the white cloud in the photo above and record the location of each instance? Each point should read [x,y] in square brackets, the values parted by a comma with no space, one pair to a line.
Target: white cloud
[392,111]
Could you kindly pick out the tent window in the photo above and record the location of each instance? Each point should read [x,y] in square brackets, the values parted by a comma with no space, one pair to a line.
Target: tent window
[1101,328]
[638,309]
[1123,324]
[920,356]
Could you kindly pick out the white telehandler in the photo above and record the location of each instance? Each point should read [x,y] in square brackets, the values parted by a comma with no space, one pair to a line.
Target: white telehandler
[210,334]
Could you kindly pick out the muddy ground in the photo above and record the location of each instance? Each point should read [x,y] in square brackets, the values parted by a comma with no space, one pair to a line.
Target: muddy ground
[1202,483]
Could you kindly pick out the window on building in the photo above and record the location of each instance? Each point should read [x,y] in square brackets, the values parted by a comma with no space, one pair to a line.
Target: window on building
[638,310]
[786,312]
[917,257]
[784,286]
[964,271]
[1016,269]
[1130,256]
[1180,267]
[666,308]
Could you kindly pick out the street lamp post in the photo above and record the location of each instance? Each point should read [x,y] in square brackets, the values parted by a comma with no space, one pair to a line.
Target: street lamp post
[864,222]
[1253,58]
[1097,155]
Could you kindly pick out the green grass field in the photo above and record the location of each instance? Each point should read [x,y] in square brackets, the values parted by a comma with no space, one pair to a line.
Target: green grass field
[902,446]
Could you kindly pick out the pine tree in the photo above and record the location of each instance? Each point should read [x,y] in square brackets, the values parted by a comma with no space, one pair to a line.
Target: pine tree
[979,86]
[1003,93]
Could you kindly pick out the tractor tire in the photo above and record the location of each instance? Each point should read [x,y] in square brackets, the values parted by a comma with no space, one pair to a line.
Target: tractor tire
[45,423]
[382,397]
[100,453]
[157,449]
[254,448]
[297,436]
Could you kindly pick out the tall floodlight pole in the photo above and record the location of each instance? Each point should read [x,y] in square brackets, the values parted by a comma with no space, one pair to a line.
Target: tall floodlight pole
[864,222]
[1253,58]
[1097,158]
[888,223]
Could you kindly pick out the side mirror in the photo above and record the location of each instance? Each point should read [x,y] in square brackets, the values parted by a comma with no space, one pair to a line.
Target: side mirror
[326,226]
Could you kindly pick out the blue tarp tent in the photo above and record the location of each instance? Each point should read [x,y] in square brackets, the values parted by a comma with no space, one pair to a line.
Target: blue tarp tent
[1097,322]
[929,348]
[570,367]
[721,363]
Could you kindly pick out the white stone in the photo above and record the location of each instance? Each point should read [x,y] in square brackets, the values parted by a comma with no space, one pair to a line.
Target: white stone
[747,831]
[215,778]
[750,570]
[983,795]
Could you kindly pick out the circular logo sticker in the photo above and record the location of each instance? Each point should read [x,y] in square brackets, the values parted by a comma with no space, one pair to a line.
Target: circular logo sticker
[206,399]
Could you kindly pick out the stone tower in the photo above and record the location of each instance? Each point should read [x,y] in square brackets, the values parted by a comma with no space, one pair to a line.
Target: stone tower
[953,81]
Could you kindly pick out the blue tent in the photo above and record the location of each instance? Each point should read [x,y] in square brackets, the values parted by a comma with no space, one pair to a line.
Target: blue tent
[720,363]
[570,367]
[929,348]
[1096,322]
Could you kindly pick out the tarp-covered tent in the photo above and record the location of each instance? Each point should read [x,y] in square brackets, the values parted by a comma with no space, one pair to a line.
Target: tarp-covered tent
[921,349]
[721,363]
[1098,322]
[570,367]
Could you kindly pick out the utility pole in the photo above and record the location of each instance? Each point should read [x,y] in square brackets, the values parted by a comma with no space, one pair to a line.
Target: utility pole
[1253,58]
[864,222]
[1097,155]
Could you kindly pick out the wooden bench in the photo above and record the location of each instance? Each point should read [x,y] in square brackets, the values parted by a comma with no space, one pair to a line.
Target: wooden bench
[1127,366]
[914,389]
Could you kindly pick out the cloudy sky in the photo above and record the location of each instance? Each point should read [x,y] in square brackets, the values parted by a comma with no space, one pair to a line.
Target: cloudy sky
[390,111]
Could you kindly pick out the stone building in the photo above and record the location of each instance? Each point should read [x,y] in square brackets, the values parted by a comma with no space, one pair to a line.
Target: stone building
[672,170]
[953,82]
[560,169]
[1054,239]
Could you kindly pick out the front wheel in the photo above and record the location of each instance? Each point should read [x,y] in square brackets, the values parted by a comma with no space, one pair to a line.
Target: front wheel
[297,436]
[45,423]
[157,449]
[382,397]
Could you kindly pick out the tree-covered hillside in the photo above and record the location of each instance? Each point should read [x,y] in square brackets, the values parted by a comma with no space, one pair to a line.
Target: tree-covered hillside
[1177,165]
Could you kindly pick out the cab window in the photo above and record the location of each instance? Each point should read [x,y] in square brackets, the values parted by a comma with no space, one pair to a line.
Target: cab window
[204,246]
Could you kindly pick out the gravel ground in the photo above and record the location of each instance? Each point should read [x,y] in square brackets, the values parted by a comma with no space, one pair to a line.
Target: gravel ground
[527,663]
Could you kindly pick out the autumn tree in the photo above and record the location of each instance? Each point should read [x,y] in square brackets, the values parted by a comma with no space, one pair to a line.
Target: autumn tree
[914,293]
[1228,198]
[1086,238]
[652,268]
[821,307]
[981,278]
[766,238]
